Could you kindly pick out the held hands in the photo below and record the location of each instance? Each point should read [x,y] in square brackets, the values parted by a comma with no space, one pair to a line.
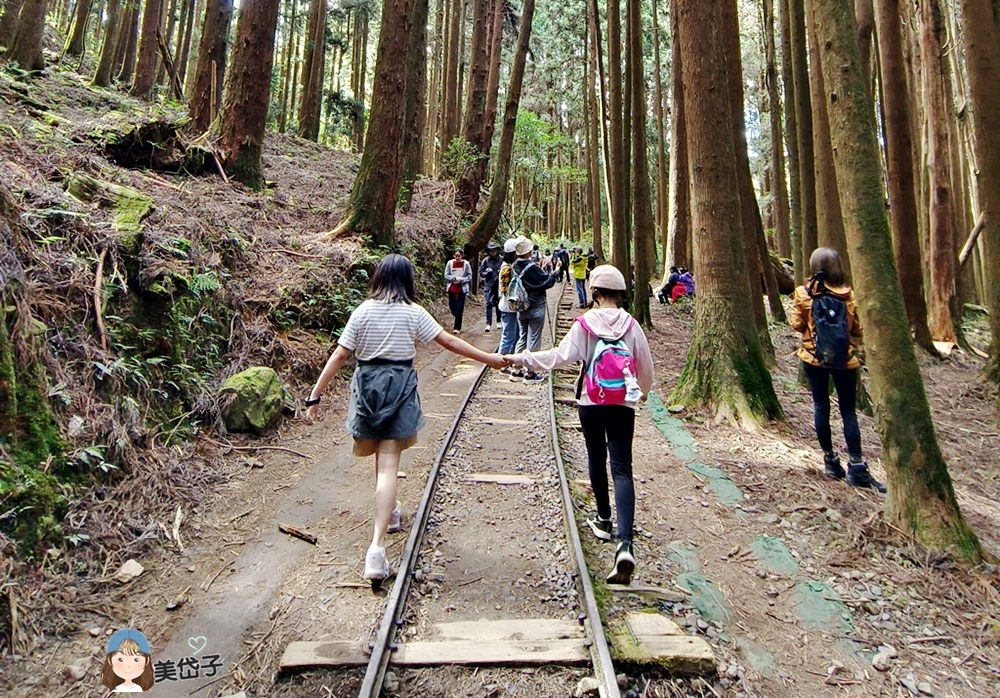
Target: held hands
[495,361]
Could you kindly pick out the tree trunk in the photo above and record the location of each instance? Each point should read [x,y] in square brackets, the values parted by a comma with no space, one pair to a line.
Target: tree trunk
[492,85]
[26,48]
[597,62]
[921,500]
[804,130]
[899,164]
[211,68]
[662,180]
[371,208]
[981,29]
[247,92]
[145,70]
[75,44]
[829,223]
[864,23]
[594,138]
[725,367]
[450,122]
[642,214]
[359,69]
[102,78]
[414,110]
[941,206]
[619,200]
[184,59]
[313,68]
[779,188]
[434,91]
[677,252]
[467,187]
[485,227]
[9,22]
[129,41]
[792,144]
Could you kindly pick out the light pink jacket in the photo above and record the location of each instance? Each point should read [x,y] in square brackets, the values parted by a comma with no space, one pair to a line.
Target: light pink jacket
[578,345]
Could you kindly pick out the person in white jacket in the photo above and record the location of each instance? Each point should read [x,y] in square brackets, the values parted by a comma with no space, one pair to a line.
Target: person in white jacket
[606,427]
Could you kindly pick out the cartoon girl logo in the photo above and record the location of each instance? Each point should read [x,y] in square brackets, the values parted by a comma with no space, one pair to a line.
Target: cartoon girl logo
[128,668]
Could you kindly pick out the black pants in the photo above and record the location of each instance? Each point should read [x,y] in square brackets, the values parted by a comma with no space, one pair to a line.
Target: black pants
[456,304]
[609,428]
[845,380]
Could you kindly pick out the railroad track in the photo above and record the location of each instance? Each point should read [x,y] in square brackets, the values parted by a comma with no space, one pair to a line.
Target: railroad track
[492,587]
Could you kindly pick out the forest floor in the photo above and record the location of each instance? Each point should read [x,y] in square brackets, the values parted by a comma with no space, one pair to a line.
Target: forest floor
[800,580]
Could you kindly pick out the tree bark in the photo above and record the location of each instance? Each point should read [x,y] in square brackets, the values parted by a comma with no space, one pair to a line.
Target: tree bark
[899,164]
[597,60]
[725,366]
[359,69]
[804,131]
[26,47]
[981,30]
[75,44]
[145,70]
[129,41]
[371,208]
[211,57]
[938,156]
[791,143]
[9,22]
[434,90]
[485,227]
[677,252]
[102,78]
[247,92]
[467,189]
[642,214]
[662,179]
[450,122]
[779,188]
[594,137]
[921,499]
[313,68]
[414,110]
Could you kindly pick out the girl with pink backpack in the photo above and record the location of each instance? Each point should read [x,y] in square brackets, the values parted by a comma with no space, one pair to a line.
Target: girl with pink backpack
[617,373]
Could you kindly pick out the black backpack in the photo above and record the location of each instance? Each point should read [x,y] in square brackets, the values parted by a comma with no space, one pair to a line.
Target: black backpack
[833,336]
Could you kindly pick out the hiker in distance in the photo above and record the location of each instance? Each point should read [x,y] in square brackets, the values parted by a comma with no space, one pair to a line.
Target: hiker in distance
[384,413]
[617,374]
[458,274]
[825,313]
[489,272]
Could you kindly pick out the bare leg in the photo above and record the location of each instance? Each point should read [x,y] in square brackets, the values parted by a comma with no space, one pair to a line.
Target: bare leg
[386,465]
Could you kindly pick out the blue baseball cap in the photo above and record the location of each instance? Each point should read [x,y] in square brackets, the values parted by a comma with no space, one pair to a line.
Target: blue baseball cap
[128,634]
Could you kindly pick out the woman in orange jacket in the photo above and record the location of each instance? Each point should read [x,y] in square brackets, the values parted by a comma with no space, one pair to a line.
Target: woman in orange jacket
[825,313]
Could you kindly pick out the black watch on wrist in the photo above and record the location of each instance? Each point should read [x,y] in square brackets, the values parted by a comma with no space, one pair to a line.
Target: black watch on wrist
[312,401]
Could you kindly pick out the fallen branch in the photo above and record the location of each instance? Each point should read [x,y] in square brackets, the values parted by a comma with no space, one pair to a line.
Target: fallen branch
[232,447]
[966,252]
[98,301]
[298,533]
[175,83]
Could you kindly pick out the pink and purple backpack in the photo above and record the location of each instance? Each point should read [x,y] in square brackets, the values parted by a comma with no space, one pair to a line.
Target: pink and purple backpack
[604,374]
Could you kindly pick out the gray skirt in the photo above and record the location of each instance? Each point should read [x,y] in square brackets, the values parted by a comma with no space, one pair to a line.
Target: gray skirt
[384,402]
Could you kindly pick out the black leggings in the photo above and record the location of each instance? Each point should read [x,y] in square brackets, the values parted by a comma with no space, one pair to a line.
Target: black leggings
[610,428]
[456,304]
[845,380]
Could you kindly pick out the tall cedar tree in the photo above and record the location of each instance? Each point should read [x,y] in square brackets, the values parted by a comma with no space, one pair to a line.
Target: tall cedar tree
[312,71]
[414,111]
[211,69]
[803,131]
[600,97]
[102,77]
[662,179]
[594,129]
[780,188]
[791,142]
[451,118]
[247,93]
[9,21]
[467,191]
[642,214]
[678,250]
[371,208]
[75,43]
[899,166]
[981,30]
[485,227]
[26,47]
[937,153]
[725,367]
[921,500]
[616,143]
[145,70]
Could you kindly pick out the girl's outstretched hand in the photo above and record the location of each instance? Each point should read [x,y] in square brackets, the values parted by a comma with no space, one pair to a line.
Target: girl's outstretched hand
[313,413]
[497,362]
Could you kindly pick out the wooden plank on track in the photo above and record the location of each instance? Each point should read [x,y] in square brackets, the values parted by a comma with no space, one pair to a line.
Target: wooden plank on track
[476,652]
[500,478]
[465,652]
[681,654]
[498,420]
[651,624]
[660,592]
[510,397]
[529,629]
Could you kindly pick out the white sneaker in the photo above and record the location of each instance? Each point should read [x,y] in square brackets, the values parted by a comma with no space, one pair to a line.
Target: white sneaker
[394,524]
[376,566]
[487,329]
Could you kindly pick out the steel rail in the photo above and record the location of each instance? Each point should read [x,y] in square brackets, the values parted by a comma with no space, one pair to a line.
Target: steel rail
[383,646]
[599,650]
